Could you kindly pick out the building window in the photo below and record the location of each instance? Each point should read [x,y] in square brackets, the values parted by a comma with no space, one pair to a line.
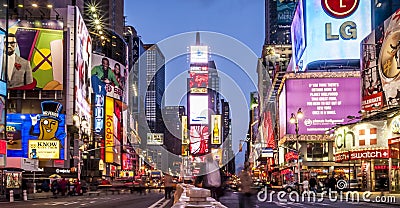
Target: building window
[317,151]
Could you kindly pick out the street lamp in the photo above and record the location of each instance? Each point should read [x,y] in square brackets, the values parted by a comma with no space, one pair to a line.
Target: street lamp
[294,119]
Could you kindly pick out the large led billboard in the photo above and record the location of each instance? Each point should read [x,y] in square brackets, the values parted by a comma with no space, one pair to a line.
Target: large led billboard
[155,138]
[83,64]
[199,137]
[35,55]
[325,102]
[199,54]
[333,30]
[284,11]
[216,129]
[108,77]
[198,109]
[380,65]
[298,32]
[109,130]
[184,128]
[198,80]
[27,131]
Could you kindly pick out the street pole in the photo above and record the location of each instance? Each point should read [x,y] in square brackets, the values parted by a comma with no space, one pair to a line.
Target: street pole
[294,119]
[298,150]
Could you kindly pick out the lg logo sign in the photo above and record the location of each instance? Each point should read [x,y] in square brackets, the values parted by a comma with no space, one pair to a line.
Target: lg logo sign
[340,9]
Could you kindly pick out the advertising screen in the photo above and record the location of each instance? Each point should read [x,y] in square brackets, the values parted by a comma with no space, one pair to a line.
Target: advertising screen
[155,139]
[324,102]
[298,32]
[282,112]
[199,137]
[44,149]
[335,28]
[83,63]
[184,127]
[30,129]
[35,55]
[98,114]
[198,54]
[380,65]
[108,77]
[199,69]
[109,130]
[285,11]
[198,109]
[198,80]
[216,129]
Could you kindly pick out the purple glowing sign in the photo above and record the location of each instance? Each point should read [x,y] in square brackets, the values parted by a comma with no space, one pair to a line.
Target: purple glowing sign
[324,102]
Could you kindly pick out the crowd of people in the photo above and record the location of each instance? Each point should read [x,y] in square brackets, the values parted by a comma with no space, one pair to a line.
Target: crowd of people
[65,187]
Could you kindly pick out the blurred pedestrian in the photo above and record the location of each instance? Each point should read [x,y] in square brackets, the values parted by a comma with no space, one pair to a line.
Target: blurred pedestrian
[313,184]
[245,188]
[54,188]
[305,185]
[63,186]
[78,187]
[212,179]
[168,185]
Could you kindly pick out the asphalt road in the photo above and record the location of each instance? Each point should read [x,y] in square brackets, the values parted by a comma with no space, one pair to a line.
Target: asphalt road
[106,201]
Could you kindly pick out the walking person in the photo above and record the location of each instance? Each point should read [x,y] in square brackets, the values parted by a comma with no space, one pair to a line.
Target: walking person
[313,184]
[63,186]
[212,179]
[245,188]
[55,188]
[168,185]
[305,185]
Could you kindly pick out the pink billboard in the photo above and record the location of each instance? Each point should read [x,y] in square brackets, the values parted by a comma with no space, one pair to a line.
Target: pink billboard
[325,102]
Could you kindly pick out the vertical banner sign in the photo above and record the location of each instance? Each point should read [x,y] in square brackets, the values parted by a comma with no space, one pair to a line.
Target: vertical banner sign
[185,139]
[216,131]
[83,58]
[98,114]
[109,125]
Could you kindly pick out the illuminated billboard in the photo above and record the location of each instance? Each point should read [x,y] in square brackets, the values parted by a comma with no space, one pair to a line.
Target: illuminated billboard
[98,114]
[285,11]
[155,138]
[298,32]
[216,129]
[44,149]
[199,69]
[199,54]
[198,109]
[35,59]
[184,128]
[108,77]
[83,63]
[380,65]
[109,130]
[29,128]
[199,137]
[198,80]
[335,28]
[325,102]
